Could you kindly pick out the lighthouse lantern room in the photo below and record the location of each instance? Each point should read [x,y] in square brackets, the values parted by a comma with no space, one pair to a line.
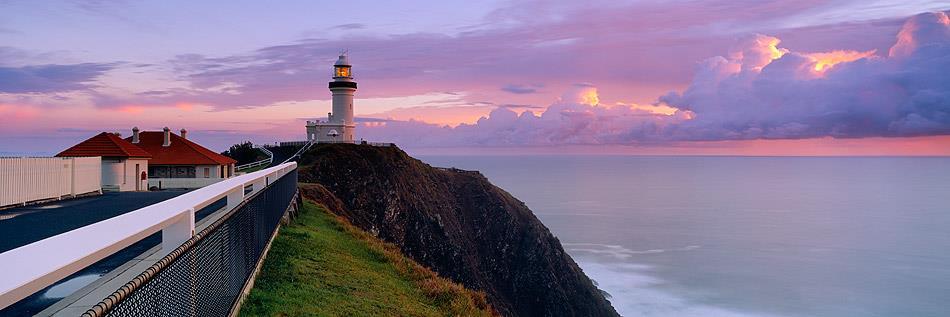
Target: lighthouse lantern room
[339,126]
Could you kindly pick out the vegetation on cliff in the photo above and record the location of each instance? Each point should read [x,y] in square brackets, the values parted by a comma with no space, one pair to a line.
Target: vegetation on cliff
[244,153]
[321,265]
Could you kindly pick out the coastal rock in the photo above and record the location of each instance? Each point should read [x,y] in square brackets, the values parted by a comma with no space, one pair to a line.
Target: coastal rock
[455,222]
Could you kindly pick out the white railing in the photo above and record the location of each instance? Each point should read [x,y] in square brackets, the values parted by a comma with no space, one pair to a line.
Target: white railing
[264,162]
[302,149]
[30,268]
[29,179]
[303,143]
[270,154]
[293,143]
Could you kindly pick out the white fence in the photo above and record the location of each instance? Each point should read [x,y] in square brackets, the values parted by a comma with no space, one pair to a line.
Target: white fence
[32,267]
[29,179]
[264,162]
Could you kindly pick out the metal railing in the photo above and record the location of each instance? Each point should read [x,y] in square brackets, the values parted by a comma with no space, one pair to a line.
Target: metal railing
[206,275]
[264,162]
[293,143]
[32,267]
[302,150]
[304,143]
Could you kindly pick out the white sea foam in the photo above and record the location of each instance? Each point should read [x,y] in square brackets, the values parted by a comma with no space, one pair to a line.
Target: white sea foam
[618,251]
[635,293]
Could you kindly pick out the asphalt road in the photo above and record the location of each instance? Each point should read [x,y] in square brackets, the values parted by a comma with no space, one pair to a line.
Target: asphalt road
[25,225]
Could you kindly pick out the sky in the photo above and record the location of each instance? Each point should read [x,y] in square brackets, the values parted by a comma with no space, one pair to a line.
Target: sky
[807,77]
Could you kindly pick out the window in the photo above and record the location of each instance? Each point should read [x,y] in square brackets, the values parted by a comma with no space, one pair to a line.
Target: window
[341,71]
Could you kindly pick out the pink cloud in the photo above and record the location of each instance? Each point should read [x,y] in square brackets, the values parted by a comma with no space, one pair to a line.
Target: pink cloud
[18,114]
[862,95]
[759,91]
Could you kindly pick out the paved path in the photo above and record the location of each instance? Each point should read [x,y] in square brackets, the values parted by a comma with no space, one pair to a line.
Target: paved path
[25,225]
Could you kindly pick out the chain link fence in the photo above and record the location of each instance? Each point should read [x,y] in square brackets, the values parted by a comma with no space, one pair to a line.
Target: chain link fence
[206,275]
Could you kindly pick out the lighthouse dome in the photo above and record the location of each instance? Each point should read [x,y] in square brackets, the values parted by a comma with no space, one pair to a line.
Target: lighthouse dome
[342,61]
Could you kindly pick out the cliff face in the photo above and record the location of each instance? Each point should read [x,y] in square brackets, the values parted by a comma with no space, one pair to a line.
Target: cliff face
[456,223]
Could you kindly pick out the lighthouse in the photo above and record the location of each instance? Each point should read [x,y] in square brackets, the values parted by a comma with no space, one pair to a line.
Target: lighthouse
[339,126]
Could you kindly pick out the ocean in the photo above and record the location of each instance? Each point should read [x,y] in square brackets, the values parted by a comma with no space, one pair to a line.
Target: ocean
[744,236]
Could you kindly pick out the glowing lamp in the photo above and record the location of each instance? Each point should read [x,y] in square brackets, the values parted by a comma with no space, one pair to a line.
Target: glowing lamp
[342,71]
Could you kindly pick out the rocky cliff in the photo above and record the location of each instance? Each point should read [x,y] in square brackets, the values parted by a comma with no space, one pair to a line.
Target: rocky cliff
[456,223]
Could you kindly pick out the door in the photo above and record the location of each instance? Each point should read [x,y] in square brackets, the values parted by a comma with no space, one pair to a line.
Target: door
[138,182]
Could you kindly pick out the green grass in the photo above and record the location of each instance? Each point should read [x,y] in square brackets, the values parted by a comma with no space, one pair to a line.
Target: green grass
[323,266]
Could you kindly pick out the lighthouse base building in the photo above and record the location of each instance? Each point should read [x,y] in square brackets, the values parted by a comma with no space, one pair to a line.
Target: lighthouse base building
[329,132]
[339,126]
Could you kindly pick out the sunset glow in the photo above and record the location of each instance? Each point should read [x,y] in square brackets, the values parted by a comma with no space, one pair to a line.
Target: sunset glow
[507,80]
[825,61]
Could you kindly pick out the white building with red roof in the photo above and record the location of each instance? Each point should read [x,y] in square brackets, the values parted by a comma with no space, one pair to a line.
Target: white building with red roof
[153,159]
[124,165]
[177,162]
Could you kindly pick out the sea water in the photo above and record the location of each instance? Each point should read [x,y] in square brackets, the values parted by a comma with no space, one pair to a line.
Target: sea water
[745,236]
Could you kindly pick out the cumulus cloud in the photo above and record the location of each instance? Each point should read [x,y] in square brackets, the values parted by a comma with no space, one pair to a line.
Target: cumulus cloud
[526,42]
[782,94]
[576,118]
[531,42]
[758,91]
[50,78]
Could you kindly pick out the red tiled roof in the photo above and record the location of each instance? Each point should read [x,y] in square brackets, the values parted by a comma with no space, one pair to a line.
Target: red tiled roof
[107,145]
[181,151]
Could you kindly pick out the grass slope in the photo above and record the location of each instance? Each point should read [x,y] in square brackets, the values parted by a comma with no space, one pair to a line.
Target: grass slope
[322,266]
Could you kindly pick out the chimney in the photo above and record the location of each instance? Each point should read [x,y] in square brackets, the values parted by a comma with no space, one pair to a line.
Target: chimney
[118,134]
[184,133]
[168,137]
[135,135]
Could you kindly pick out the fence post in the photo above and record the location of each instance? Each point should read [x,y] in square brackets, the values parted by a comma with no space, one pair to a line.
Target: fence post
[235,197]
[259,184]
[179,231]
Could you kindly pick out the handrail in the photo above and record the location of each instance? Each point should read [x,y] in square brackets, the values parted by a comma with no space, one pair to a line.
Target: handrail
[107,304]
[300,151]
[266,161]
[34,266]
[265,150]
[253,164]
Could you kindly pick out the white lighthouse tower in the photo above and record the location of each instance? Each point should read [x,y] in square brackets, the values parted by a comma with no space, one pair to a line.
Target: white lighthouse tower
[339,126]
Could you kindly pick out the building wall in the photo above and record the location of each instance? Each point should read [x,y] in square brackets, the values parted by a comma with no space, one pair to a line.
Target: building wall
[135,175]
[185,176]
[214,171]
[30,179]
[122,175]
[181,183]
[172,171]
[319,132]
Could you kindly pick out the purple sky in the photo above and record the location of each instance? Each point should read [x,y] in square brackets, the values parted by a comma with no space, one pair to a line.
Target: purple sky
[236,70]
